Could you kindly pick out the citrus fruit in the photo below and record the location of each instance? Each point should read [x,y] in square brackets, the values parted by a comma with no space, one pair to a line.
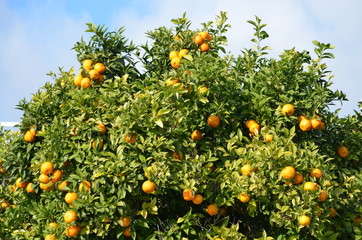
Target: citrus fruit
[288,109]
[148,186]
[288,172]
[196,135]
[304,220]
[187,195]
[198,199]
[70,216]
[212,210]
[213,121]
[243,197]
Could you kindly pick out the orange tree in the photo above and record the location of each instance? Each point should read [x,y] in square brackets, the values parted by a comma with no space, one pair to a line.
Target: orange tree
[195,144]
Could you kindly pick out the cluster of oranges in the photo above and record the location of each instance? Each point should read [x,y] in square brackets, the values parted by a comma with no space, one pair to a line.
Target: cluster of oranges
[176,56]
[188,195]
[202,40]
[212,121]
[253,126]
[93,72]
[30,135]
[315,123]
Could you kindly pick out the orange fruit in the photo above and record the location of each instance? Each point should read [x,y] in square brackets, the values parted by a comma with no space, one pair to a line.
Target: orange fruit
[173,54]
[188,195]
[177,156]
[298,178]
[5,205]
[171,80]
[196,135]
[102,128]
[100,143]
[100,78]
[213,121]
[332,212]
[288,109]
[29,136]
[301,117]
[77,80]
[198,39]
[305,125]
[357,220]
[246,169]
[317,173]
[62,185]
[304,220]
[127,232]
[316,123]
[205,47]
[56,175]
[46,168]
[309,186]
[50,237]
[44,178]
[322,196]
[70,197]
[288,172]
[53,224]
[249,122]
[29,188]
[20,184]
[176,62]
[212,210]
[243,197]
[268,137]
[322,126]
[99,67]
[126,221]
[130,139]
[202,89]
[205,35]
[93,74]
[47,186]
[254,128]
[84,186]
[148,186]
[343,151]
[70,216]
[85,83]
[87,64]
[183,52]
[73,230]
[198,199]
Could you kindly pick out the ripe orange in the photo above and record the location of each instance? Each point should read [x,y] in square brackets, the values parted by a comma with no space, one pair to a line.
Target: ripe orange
[177,156]
[47,186]
[317,173]
[176,62]
[196,135]
[84,186]
[305,125]
[77,80]
[332,212]
[56,175]
[127,232]
[20,184]
[93,74]
[288,109]
[70,197]
[100,143]
[87,64]
[126,221]
[130,139]
[102,128]
[73,230]
[304,220]
[44,178]
[212,210]
[213,121]
[70,216]
[188,195]
[29,188]
[343,151]
[205,36]
[301,117]
[5,205]
[268,137]
[298,178]
[243,197]
[85,83]
[246,169]
[254,128]
[99,67]
[198,39]
[322,126]
[316,123]
[47,168]
[148,186]
[202,89]
[171,80]
[309,186]
[50,237]
[288,172]
[62,186]
[53,224]
[198,199]
[205,47]
[183,52]
[322,196]
[29,136]
[173,54]
[100,78]
[249,122]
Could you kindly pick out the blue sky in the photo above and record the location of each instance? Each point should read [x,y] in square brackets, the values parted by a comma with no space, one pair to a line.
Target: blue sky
[37,36]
